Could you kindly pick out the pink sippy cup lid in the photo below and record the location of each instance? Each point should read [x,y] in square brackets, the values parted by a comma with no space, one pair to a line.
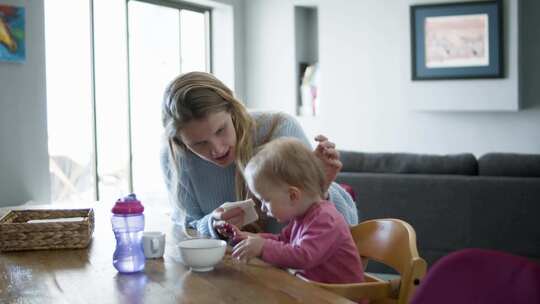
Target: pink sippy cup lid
[128,205]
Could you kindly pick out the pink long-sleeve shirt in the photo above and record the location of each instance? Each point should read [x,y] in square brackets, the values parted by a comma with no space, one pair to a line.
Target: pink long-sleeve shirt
[319,244]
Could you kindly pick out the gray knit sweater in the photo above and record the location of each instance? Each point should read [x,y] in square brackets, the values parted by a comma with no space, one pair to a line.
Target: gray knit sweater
[203,186]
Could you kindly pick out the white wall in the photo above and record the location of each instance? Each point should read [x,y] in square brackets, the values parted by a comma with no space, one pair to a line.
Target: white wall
[228,41]
[24,173]
[368,101]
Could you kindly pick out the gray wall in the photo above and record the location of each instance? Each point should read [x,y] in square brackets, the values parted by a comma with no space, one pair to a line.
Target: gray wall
[24,173]
[530,53]
[368,101]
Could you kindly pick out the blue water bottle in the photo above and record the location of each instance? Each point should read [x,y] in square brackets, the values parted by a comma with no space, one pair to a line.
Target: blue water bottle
[128,226]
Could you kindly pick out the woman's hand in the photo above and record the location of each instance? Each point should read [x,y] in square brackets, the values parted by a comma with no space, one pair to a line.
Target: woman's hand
[248,248]
[226,230]
[234,216]
[327,153]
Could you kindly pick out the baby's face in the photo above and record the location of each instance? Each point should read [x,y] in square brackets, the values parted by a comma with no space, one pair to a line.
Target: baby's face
[275,202]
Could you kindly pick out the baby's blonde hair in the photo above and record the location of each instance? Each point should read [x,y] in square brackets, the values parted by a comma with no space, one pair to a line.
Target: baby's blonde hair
[286,161]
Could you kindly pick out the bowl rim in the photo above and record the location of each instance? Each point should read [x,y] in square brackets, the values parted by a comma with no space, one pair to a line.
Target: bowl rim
[219,244]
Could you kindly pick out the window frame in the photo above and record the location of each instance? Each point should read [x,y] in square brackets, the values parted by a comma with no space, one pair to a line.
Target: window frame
[180,5]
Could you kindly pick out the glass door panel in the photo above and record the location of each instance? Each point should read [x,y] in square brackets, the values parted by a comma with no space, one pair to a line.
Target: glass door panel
[111,91]
[194,47]
[69,102]
[154,48]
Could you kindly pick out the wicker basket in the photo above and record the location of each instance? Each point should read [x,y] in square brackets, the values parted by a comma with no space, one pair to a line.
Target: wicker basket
[17,234]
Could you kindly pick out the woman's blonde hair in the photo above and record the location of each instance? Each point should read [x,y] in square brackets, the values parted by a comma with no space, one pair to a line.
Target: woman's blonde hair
[286,161]
[196,95]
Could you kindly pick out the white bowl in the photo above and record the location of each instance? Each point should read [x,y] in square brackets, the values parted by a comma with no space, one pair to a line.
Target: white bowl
[201,254]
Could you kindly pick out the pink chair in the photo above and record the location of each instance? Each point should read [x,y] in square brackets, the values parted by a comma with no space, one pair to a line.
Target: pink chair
[480,276]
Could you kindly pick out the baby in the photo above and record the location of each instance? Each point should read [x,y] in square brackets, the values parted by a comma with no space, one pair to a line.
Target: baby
[289,181]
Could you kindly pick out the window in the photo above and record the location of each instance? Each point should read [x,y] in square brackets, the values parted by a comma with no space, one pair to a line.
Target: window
[164,41]
[69,100]
[104,91]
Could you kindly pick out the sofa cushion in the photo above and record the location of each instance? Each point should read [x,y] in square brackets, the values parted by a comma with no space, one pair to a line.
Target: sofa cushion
[459,164]
[509,164]
[451,212]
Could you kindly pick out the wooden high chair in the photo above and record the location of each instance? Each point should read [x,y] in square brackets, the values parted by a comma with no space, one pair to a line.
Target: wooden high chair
[391,242]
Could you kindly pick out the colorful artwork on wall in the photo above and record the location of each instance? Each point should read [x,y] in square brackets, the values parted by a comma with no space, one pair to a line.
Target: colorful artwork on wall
[12,46]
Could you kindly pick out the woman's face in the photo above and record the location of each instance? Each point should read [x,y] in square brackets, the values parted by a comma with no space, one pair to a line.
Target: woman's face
[212,138]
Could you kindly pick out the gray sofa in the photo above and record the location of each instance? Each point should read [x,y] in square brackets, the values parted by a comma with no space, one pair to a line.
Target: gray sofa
[452,201]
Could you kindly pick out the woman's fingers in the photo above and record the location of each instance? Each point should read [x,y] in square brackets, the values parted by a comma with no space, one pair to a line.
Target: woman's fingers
[232,213]
[331,153]
[320,147]
[234,216]
[320,137]
[324,147]
[236,221]
[336,164]
[219,225]
[326,151]
[327,144]
[328,155]
[216,214]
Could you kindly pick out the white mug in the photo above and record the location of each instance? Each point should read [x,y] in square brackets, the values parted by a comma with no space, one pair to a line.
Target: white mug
[153,244]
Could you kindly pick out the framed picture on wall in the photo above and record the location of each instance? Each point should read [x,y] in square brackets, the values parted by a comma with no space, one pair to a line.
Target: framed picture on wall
[457,40]
[12,47]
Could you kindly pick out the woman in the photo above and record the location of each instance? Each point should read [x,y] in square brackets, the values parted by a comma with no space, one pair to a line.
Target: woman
[210,136]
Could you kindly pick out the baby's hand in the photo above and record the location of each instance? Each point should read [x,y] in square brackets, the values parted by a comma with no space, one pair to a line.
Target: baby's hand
[230,232]
[248,248]
[225,229]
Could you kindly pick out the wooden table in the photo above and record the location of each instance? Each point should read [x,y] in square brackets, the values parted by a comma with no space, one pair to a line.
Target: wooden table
[88,276]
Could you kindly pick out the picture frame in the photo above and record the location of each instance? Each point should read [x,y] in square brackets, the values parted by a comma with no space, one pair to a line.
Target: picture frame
[12,33]
[457,40]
